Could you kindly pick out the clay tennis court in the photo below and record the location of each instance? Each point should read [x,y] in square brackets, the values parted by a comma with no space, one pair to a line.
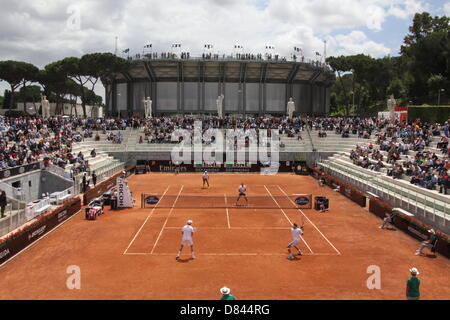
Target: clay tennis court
[130,254]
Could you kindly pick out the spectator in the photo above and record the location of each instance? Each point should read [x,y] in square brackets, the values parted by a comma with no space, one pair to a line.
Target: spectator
[226,295]
[444,182]
[85,183]
[94,178]
[413,285]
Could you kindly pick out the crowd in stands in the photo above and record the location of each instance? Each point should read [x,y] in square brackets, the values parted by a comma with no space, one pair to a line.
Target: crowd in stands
[407,154]
[237,56]
[28,140]
[159,130]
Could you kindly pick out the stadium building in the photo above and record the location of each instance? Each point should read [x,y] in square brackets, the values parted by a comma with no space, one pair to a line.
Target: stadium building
[250,87]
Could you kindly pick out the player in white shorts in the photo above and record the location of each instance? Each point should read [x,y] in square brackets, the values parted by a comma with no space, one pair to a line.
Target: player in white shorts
[296,233]
[242,193]
[187,233]
[205,178]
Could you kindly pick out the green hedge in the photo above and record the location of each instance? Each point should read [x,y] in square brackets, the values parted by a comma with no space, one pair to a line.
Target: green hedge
[429,114]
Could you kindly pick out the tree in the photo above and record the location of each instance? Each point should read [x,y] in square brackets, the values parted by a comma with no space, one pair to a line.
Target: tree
[426,51]
[112,65]
[340,65]
[88,69]
[17,73]
[56,85]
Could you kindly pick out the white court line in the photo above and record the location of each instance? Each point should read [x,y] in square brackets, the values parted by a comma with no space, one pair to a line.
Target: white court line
[151,212]
[237,254]
[310,221]
[290,222]
[167,219]
[226,209]
[235,228]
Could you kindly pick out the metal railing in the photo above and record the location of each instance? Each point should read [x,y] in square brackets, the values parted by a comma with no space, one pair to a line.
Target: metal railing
[14,217]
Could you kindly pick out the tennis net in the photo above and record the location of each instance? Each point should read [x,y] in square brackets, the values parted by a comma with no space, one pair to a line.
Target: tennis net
[300,201]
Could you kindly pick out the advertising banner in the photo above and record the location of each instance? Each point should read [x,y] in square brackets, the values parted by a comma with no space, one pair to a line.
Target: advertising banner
[124,199]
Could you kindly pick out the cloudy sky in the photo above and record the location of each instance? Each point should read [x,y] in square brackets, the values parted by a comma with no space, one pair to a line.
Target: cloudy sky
[42,31]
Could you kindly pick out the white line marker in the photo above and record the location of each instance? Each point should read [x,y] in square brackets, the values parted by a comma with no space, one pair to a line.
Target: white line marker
[149,215]
[235,228]
[226,209]
[310,221]
[290,222]
[238,254]
[167,219]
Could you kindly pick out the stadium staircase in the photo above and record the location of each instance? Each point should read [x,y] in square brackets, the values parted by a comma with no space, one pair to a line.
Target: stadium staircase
[103,164]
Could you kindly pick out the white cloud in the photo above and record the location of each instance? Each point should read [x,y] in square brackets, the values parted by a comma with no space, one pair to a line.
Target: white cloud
[407,8]
[356,42]
[447,9]
[36,30]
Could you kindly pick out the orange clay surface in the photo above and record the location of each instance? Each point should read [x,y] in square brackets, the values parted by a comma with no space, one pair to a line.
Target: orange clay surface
[130,253]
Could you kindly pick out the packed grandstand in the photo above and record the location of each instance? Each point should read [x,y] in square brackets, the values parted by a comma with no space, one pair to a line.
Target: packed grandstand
[417,150]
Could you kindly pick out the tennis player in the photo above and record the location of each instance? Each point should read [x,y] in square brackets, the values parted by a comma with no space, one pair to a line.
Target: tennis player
[187,233]
[296,233]
[242,193]
[205,178]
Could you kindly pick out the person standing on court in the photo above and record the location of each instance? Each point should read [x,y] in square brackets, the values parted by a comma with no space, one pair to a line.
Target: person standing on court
[187,233]
[3,202]
[205,179]
[296,233]
[226,294]
[242,193]
[413,285]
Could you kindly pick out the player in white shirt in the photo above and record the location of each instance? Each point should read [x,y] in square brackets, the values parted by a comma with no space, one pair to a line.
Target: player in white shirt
[242,193]
[296,233]
[205,178]
[187,233]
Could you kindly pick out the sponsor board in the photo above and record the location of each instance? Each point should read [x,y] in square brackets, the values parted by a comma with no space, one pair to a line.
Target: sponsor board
[4,253]
[151,199]
[62,216]
[124,199]
[302,200]
[37,232]
[169,166]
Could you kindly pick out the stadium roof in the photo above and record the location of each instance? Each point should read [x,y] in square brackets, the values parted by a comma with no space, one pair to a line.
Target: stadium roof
[227,70]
